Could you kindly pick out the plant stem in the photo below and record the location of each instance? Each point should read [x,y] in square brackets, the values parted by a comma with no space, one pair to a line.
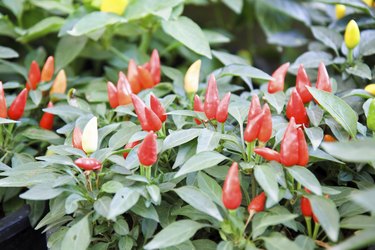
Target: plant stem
[145,41]
[350,56]
[142,170]
[253,185]
[118,53]
[223,128]
[249,150]
[308,225]
[316,230]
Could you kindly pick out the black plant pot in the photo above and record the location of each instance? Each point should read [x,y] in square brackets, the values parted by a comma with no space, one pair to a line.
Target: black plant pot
[16,232]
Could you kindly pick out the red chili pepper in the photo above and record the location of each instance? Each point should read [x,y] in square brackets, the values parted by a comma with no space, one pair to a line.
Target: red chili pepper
[329,138]
[306,207]
[17,107]
[139,107]
[157,108]
[3,104]
[77,138]
[254,109]
[123,90]
[303,151]
[145,78]
[130,145]
[268,154]
[153,121]
[279,76]
[211,101]
[88,163]
[289,145]
[232,195]
[265,131]
[198,107]
[296,109]
[257,204]
[46,121]
[323,82]
[133,77]
[155,66]
[48,69]
[302,81]
[148,151]
[252,128]
[34,76]
[112,95]
[222,109]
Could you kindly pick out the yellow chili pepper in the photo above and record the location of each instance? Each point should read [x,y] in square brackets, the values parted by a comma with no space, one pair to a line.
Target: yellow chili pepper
[340,10]
[352,35]
[191,80]
[90,136]
[59,84]
[370,88]
[369,2]
[114,6]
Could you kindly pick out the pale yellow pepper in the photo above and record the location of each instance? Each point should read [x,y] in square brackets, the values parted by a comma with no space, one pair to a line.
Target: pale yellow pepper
[340,10]
[352,35]
[370,88]
[114,6]
[191,80]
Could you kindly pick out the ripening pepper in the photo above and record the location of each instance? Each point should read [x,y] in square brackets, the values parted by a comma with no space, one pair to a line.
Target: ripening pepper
[33,76]
[139,107]
[77,138]
[153,121]
[157,108]
[3,104]
[112,95]
[371,116]
[123,90]
[296,109]
[257,204]
[148,150]
[340,11]
[145,78]
[59,84]
[368,2]
[265,131]
[198,107]
[322,81]
[90,136]
[370,88]
[303,150]
[191,80]
[302,81]
[277,84]
[88,164]
[232,195]
[130,145]
[114,6]
[268,154]
[306,207]
[252,128]
[48,69]
[211,101]
[133,77]
[222,108]
[46,121]
[329,138]
[352,35]
[17,107]
[155,66]
[254,108]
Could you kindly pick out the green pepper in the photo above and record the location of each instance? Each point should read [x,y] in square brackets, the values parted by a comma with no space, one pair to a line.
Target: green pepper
[371,116]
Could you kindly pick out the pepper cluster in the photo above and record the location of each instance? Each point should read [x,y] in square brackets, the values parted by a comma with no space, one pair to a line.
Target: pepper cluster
[17,108]
[212,106]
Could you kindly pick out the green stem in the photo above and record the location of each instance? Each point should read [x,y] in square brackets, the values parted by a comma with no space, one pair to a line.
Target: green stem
[1,135]
[223,128]
[142,170]
[145,41]
[316,230]
[148,173]
[118,53]
[9,134]
[350,56]
[249,150]
[308,225]
[253,185]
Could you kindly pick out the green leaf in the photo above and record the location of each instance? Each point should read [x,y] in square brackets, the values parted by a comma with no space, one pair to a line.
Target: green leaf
[277,241]
[122,136]
[214,37]
[174,234]
[365,198]
[200,161]
[124,199]
[270,220]
[327,214]
[94,22]
[200,201]
[311,59]
[235,5]
[208,140]
[111,187]
[210,187]
[36,96]
[121,227]
[359,222]
[366,46]
[328,37]
[315,135]
[306,178]
[361,239]
[68,43]
[338,109]
[44,27]
[42,191]
[7,121]
[146,212]
[276,100]
[102,206]
[180,137]
[52,6]
[244,71]
[16,6]
[315,114]
[142,8]
[227,58]
[352,151]
[360,69]
[7,53]
[188,33]
[78,237]
[304,242]
[42,135]
[266,177]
